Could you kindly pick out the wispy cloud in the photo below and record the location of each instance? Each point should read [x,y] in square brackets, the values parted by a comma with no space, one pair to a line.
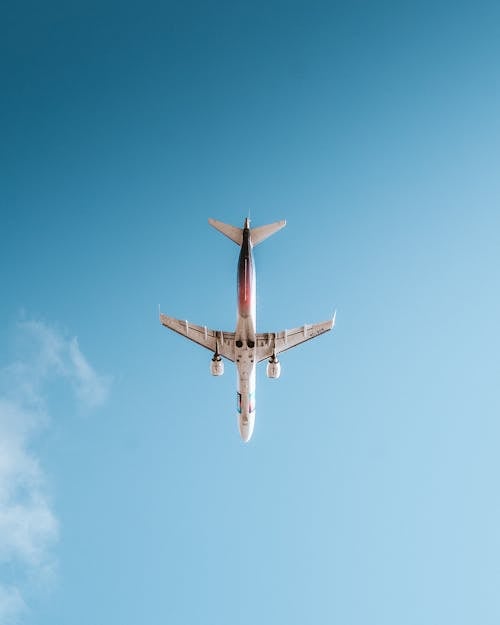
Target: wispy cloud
[91,389]
[28,524]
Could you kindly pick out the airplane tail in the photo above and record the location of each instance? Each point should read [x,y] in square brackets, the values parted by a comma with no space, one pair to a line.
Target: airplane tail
[257,235]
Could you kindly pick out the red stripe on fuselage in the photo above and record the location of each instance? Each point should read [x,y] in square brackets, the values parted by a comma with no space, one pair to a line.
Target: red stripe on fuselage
[246,276]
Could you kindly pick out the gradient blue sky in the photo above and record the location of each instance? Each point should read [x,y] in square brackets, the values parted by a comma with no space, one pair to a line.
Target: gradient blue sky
[370,491]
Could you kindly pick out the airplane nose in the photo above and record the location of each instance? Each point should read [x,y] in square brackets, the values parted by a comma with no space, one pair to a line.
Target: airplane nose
[245,434]
[246,429]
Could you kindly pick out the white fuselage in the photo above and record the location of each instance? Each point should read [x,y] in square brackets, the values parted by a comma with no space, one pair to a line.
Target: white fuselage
[245,350]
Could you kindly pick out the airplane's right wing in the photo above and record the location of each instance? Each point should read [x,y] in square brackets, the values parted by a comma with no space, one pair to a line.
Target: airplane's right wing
[275,342]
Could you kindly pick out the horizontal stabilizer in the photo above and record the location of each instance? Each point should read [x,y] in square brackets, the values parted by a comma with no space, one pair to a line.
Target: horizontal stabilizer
[257,235]
[233,233]
[262,232]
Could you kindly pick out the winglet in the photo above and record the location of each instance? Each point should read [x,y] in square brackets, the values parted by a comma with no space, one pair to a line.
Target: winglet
[333,319]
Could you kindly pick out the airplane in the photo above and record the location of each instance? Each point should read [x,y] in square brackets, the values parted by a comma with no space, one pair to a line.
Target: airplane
[245,346]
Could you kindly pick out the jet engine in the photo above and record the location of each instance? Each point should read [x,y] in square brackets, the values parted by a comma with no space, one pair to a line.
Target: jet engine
[273,368]
[217,365]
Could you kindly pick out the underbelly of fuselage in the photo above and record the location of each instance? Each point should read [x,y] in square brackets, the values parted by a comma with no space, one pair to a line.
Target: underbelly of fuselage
[245,352]
[245,360]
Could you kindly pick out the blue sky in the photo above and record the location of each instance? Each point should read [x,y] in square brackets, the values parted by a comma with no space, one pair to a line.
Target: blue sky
[369,492]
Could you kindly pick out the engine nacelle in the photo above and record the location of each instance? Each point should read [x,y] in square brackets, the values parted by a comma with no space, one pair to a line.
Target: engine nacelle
[217,366]
[273,368]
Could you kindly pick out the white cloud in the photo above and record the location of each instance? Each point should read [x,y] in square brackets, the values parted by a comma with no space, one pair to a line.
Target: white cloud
[28,525]
[12,605]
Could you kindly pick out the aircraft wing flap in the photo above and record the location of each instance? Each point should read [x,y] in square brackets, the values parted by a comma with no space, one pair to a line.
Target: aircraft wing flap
[276,342]
[210,339]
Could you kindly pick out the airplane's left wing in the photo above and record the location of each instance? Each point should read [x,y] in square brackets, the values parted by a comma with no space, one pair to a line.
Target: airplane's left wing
[275,342]
[214,340]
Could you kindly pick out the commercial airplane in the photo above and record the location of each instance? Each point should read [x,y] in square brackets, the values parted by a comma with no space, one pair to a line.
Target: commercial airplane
[245,346]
